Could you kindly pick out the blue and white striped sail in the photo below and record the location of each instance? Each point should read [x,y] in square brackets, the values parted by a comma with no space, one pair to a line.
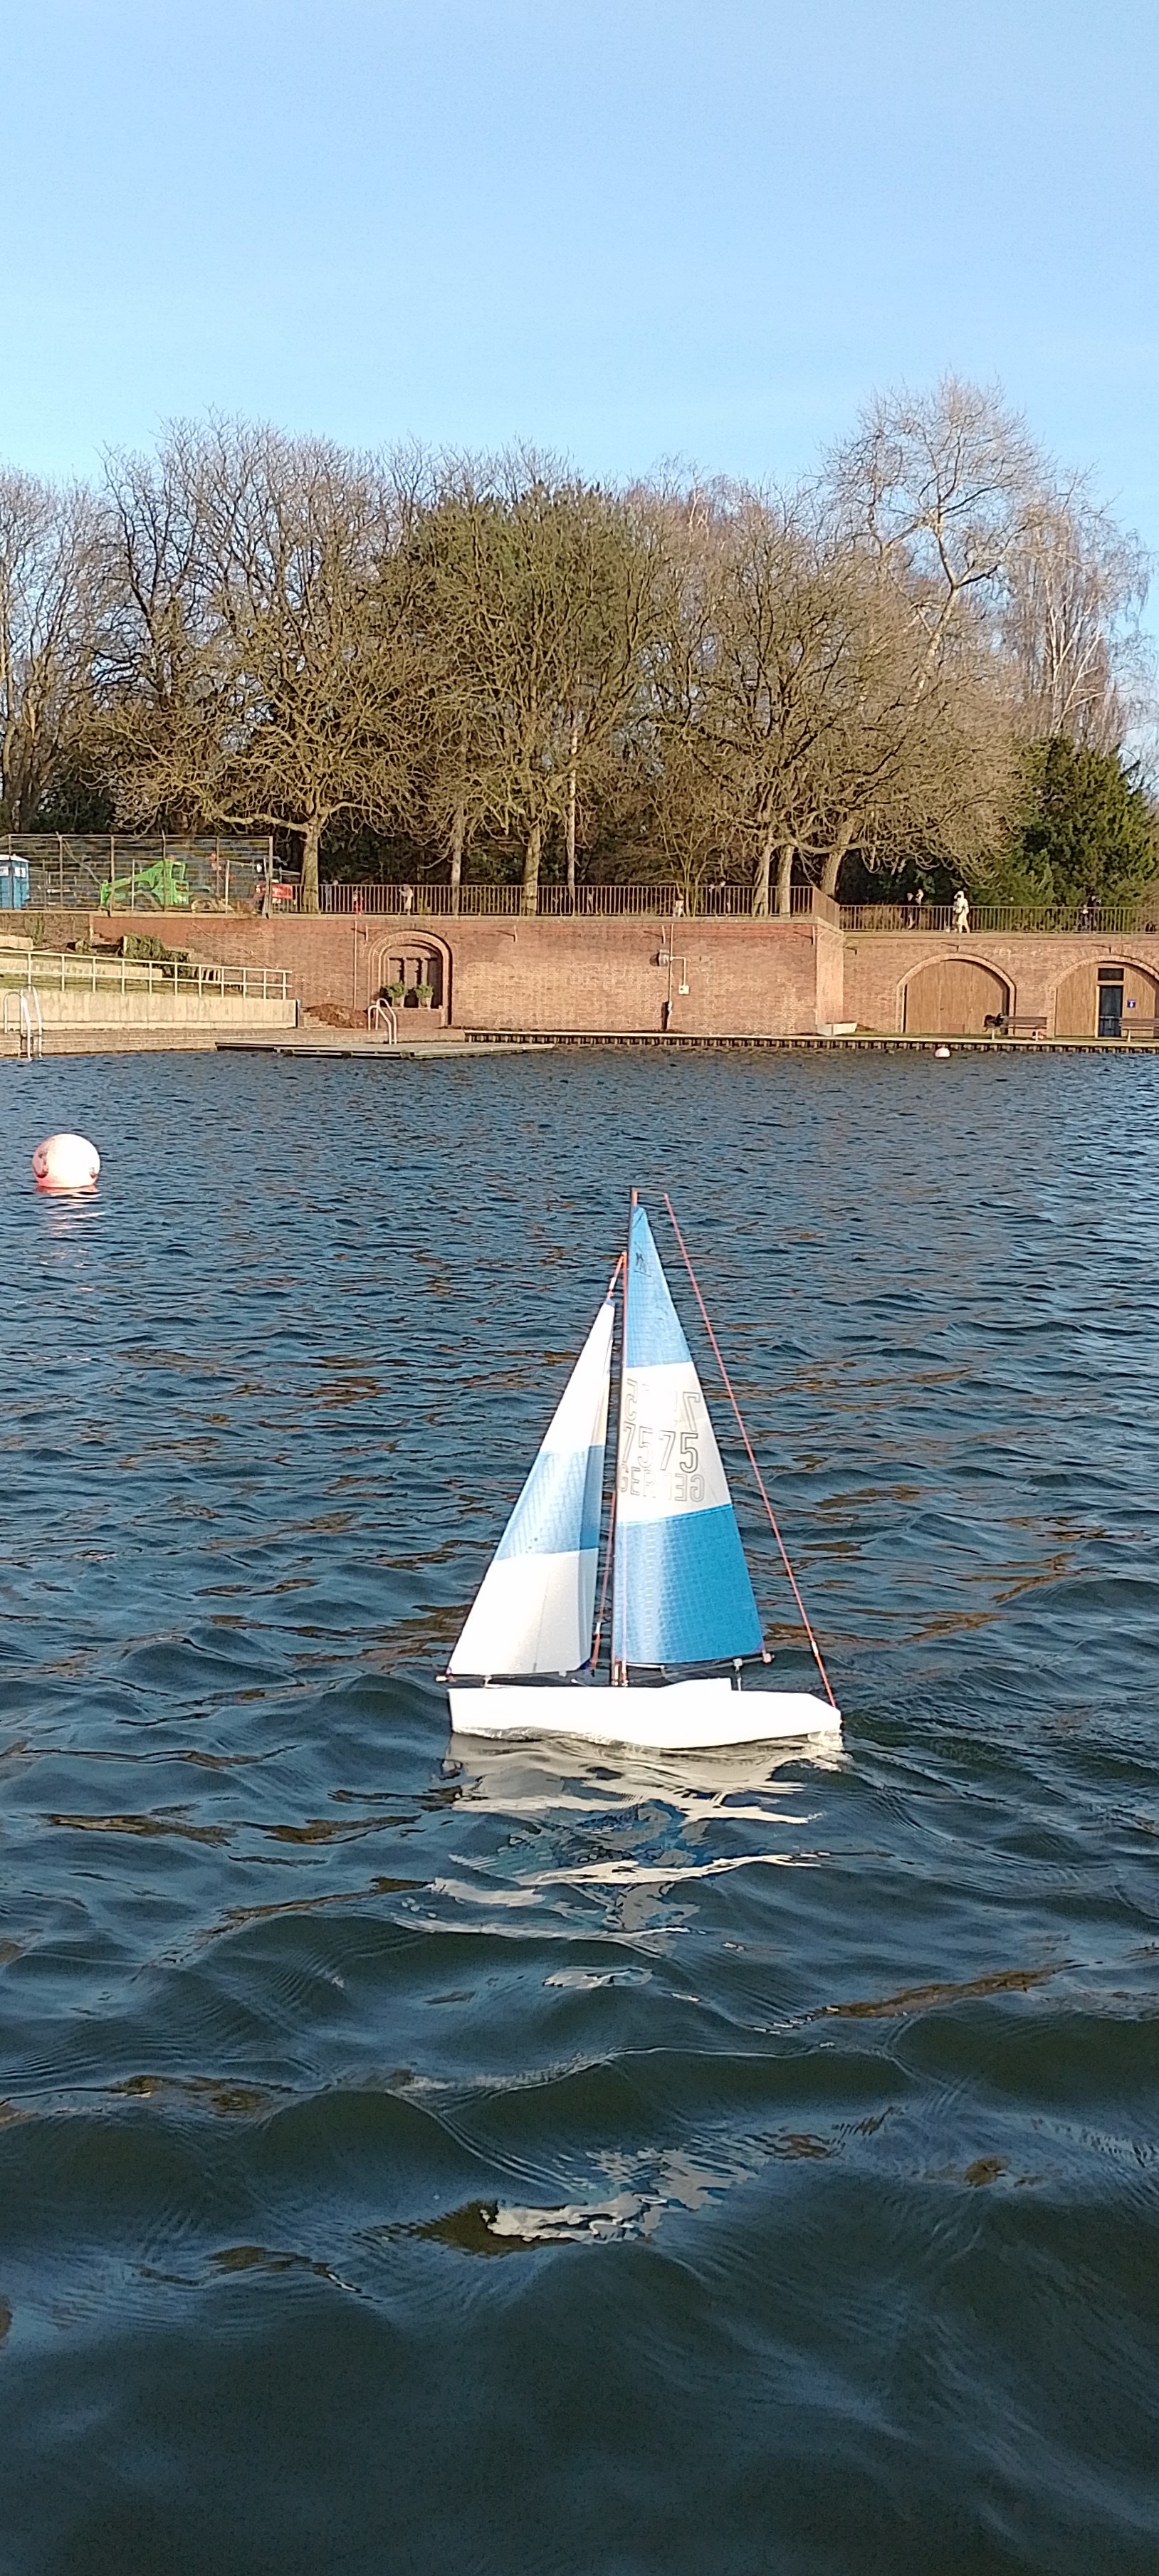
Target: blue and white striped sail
[534,1609]
[682,1588]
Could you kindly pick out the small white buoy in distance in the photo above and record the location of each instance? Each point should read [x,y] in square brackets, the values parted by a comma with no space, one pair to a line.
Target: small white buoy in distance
[942,1054]
[66,1163]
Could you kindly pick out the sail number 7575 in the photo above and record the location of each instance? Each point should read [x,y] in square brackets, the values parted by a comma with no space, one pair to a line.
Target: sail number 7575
[660,1461]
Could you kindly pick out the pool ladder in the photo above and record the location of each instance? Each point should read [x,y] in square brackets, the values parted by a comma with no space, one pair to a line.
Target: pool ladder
[30,1020]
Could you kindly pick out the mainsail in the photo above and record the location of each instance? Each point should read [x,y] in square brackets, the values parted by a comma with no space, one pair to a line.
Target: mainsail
[682,1590]
[534,1608]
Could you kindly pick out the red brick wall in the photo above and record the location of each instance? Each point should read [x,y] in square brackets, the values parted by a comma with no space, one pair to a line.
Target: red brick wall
[744,978]
[1032,963]
[830,974]
[318,956]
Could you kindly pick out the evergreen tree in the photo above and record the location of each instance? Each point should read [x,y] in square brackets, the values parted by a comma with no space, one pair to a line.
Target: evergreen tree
[1085,826]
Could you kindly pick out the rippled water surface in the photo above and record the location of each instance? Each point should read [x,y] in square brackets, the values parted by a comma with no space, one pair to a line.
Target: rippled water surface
[425,2159]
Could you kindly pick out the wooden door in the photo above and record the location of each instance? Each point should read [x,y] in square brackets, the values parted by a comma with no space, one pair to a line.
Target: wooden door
[953,997]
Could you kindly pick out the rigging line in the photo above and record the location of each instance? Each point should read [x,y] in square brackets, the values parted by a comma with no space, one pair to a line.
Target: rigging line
[599,1626]
[817,1656]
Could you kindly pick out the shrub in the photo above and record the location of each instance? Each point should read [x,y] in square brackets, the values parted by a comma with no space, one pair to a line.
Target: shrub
[141,946]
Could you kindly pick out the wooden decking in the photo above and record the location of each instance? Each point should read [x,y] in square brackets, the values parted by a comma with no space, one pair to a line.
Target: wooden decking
[480,1042]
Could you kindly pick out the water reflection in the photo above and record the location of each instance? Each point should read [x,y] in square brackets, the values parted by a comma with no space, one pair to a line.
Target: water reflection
[647,1819]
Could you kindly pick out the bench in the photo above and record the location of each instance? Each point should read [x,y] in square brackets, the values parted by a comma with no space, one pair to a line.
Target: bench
[1134,1026]
[1016,1024]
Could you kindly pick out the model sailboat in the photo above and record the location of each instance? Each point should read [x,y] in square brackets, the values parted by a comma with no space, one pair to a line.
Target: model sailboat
[528,1659]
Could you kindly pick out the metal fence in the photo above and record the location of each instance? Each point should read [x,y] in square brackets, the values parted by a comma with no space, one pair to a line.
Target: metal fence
[103,872]
[69,971]
[662,902]
[1094,920]
[112,872]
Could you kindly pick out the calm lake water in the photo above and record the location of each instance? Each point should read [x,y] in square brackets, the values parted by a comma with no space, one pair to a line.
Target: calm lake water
[564,2165]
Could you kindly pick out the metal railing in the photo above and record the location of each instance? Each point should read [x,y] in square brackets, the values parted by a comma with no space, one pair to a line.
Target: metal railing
[72,971]
[109,872]
[1106,921]
[661,902]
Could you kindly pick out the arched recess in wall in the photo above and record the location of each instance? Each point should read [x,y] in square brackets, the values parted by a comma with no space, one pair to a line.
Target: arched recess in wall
[1103,997]
[953,997]
[411,958]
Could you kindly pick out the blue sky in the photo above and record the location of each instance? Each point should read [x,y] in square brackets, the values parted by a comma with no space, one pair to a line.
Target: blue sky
[625,232]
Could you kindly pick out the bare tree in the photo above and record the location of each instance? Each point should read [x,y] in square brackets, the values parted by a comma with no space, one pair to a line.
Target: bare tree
[755,635]
[800,713]
[48,609]
[958,505]
[1075,588]
[940,496]
[938,489]
[545,588]
[154,697]
[735,683]
[259,669]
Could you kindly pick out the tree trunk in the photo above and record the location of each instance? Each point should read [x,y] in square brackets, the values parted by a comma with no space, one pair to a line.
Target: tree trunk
[761,878]
[832,868]
[311,835]
[531,858]
[458,837]
[785,880]
[573,748]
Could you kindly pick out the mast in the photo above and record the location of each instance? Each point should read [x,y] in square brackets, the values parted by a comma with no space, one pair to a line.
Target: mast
[619,1668]
[604,1601]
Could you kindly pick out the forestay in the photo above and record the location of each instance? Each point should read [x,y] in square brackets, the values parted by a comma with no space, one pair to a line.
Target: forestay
[534,1609]
[682,1589]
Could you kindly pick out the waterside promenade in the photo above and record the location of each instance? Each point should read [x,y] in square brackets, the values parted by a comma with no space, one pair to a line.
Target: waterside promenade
[419,977]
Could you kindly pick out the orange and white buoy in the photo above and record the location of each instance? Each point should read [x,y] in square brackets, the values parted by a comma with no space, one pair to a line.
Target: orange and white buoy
[66,1163]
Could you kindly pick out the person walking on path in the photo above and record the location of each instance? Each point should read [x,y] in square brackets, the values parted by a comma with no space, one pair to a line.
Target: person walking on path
[961,911]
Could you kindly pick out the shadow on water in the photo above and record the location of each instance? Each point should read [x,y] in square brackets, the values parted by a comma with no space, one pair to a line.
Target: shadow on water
[817,2097]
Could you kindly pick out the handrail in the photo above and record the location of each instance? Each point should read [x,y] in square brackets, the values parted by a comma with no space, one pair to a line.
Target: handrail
[71,968]
[31,1022]
[662,900]
[1082,921]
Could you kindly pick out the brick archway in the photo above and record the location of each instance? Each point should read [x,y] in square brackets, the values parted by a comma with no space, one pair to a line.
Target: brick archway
[411,957]
[953,996]
[1076,1000]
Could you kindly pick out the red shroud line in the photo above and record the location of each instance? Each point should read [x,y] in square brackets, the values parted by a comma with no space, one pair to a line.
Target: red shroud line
[817,1656]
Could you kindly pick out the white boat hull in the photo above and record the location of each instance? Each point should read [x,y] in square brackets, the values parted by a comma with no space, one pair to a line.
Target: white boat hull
[661,1717]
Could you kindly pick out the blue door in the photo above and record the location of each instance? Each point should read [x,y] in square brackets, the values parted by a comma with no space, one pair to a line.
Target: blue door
[13,882]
